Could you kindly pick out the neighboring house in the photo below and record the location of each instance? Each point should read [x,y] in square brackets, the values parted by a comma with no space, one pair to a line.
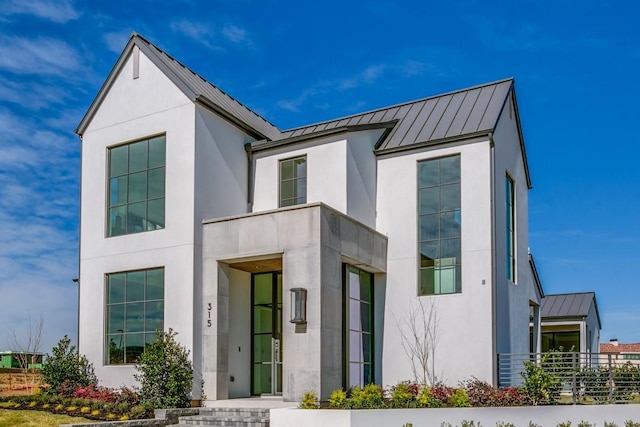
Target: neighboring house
[570,322]
[620,353]
[289,261]
[12,359]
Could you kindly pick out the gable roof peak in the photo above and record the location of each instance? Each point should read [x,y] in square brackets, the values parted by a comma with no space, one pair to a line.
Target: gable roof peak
[194,86]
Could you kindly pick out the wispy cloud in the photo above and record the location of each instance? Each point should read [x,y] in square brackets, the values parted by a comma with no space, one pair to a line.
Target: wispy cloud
[41,56]
[211,36]
[115,41]
[196,31]
[235,34]
[368,76]
[59,11]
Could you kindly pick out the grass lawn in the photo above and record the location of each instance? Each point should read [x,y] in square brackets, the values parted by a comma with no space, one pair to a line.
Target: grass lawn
[11,418]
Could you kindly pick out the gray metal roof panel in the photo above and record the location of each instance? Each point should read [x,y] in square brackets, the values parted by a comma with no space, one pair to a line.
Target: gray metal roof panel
[567,305]
[459,122]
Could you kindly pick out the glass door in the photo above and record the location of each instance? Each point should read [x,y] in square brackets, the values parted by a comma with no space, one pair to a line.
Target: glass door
[266,331]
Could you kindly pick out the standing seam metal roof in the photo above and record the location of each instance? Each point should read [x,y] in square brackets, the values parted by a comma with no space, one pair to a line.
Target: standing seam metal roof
[455,114]
[464,113]
[567,305]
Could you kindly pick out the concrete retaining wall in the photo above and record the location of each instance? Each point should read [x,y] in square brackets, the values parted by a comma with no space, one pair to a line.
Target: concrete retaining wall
[543,416]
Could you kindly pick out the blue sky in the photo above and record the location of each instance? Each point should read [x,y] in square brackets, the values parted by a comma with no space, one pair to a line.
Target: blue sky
[576,65]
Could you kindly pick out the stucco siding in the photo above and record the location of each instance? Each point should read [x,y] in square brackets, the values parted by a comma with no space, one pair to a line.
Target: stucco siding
[465,319]
[326,173]
[512,298]
[135,109]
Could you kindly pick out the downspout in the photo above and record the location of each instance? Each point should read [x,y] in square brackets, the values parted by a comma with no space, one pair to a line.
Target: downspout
[77,279]
[247,149]
[494,305]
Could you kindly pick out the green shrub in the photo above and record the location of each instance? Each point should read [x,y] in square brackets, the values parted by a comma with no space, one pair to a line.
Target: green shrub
[403,396]
[309,401]
[567,424]
[630,423]
[466,423]
[503,424]
[65,365]
[584,424]
[459,399]
[425,398]
[541,386]
[338,399]
[608,424]
[369,397]
[165,373]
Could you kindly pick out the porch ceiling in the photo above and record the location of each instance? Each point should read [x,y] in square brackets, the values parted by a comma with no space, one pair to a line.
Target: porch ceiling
[259,266]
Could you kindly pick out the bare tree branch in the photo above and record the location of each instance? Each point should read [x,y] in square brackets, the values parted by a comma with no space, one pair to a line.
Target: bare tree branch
[27,347]
[419,329]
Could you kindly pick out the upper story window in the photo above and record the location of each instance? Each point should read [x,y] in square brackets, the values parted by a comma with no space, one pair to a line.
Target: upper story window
[293,181]
[439,226]
[511,229]
[135,312]
[136,187]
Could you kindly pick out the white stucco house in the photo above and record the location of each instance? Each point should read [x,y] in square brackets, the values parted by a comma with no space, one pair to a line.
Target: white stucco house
[289,260]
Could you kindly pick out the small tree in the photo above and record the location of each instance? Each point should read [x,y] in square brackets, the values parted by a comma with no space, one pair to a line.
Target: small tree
[166,373]
[419,334]
[27,347]
[66,365]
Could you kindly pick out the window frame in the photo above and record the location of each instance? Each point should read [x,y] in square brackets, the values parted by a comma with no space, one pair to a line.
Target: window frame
[510,230]
[294,179]
[457,266]
[346,326]
[123,334]
[108,190]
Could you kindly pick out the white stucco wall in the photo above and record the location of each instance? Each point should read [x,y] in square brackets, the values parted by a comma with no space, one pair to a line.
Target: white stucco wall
[512,299]
[361,166]
[326,173]
[464,346]
[135,109]
[206,177]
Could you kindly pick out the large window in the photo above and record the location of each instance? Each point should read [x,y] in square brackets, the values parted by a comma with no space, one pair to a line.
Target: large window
[293,181]
[510,231]
[135,311]
[136,187]
[358,327]
[439,226]
[560,341]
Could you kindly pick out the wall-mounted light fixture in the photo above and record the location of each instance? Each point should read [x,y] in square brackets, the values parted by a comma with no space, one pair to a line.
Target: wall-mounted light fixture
[298,305]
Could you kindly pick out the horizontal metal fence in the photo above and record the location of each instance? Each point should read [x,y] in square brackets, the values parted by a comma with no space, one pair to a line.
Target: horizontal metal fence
[578,377]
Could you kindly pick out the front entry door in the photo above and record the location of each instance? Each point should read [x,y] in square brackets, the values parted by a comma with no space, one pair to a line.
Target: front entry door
[266,332]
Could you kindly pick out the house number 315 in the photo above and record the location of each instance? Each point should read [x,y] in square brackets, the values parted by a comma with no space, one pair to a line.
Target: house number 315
[208,315]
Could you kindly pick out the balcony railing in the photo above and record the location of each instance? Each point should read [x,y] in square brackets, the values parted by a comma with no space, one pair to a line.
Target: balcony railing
[583,378]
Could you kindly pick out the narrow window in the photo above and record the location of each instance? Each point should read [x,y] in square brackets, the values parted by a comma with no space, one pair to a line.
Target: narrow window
[293,181]
[358,327]
[439,226]
[510,231]
[135,311]
[135,201]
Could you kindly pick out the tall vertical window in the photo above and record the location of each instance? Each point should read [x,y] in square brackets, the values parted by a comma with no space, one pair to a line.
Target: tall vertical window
[510,231]
[358,327]
[293,181]
[439,226]
[135,311]
[136,187]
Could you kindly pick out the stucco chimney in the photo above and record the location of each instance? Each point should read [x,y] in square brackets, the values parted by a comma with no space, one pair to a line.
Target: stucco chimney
[614,341]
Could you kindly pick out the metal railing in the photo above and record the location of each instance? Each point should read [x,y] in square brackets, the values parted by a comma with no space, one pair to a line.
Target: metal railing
[580,377]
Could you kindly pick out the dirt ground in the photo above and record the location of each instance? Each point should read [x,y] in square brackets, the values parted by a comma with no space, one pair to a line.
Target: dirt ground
[13,382]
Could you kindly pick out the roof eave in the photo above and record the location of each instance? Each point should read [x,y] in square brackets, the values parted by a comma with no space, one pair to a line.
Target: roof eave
[267,145]
[470,137]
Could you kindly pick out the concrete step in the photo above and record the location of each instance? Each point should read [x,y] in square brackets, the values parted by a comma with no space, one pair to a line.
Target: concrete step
[228,417]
